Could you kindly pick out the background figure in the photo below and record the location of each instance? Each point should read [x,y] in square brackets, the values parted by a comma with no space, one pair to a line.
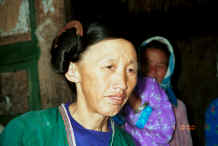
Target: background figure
[211,124]
[158,61]
[102,79]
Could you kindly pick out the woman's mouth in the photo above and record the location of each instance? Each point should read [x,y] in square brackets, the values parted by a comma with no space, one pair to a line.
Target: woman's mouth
[116,99]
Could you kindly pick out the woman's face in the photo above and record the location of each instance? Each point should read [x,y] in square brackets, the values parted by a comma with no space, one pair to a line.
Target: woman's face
[156,64]
[108,72]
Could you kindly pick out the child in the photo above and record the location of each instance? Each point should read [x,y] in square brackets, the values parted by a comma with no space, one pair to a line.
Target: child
[151,123]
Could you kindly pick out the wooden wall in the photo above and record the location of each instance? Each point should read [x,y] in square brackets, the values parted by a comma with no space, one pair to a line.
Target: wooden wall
[196,74]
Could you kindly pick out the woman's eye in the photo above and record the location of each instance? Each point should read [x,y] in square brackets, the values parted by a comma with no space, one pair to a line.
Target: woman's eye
[109,67]
[132,70]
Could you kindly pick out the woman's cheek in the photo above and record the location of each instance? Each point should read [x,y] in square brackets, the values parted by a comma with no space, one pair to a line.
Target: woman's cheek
[131,84]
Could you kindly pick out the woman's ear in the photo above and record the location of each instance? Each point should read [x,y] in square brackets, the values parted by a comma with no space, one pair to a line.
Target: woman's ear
[72,74]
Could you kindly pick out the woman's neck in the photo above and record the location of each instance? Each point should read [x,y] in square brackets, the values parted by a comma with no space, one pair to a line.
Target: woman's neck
[87,119]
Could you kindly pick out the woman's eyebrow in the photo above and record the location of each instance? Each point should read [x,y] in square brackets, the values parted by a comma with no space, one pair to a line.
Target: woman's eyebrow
[135,63]
[106,60]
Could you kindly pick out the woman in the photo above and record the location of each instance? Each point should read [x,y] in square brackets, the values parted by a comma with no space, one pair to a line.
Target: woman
[102,79]
[159,61]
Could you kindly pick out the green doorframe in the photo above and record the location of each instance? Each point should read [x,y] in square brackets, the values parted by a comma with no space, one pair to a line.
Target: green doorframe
[25,56]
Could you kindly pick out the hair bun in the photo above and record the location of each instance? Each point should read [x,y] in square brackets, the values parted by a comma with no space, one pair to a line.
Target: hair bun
[63,48]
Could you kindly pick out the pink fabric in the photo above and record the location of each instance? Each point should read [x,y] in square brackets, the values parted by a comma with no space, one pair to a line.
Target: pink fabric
[182,135]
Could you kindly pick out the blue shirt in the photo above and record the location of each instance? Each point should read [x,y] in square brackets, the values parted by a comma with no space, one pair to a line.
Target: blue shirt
[89,137]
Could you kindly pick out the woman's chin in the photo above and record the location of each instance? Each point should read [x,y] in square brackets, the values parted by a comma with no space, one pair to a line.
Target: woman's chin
[111,111]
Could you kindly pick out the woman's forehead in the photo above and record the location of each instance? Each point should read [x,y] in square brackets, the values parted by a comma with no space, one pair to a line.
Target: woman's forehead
[155,56]
[110,49]
[154,51]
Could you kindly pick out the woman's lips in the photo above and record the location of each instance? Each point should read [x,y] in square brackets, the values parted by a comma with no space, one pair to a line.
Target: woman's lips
[116,99]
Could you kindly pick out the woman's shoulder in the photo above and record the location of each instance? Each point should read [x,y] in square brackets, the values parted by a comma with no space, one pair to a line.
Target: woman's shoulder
[32,115]
[181,104]
[180,110]
[39,123]
[31,118]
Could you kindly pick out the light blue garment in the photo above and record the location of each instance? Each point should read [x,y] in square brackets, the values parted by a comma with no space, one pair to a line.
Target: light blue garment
[166,83]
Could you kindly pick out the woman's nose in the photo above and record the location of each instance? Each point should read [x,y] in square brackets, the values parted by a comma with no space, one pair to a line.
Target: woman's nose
[120,80]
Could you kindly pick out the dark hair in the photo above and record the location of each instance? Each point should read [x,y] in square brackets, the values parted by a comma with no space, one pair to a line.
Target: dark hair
[154,45]
[68,47]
